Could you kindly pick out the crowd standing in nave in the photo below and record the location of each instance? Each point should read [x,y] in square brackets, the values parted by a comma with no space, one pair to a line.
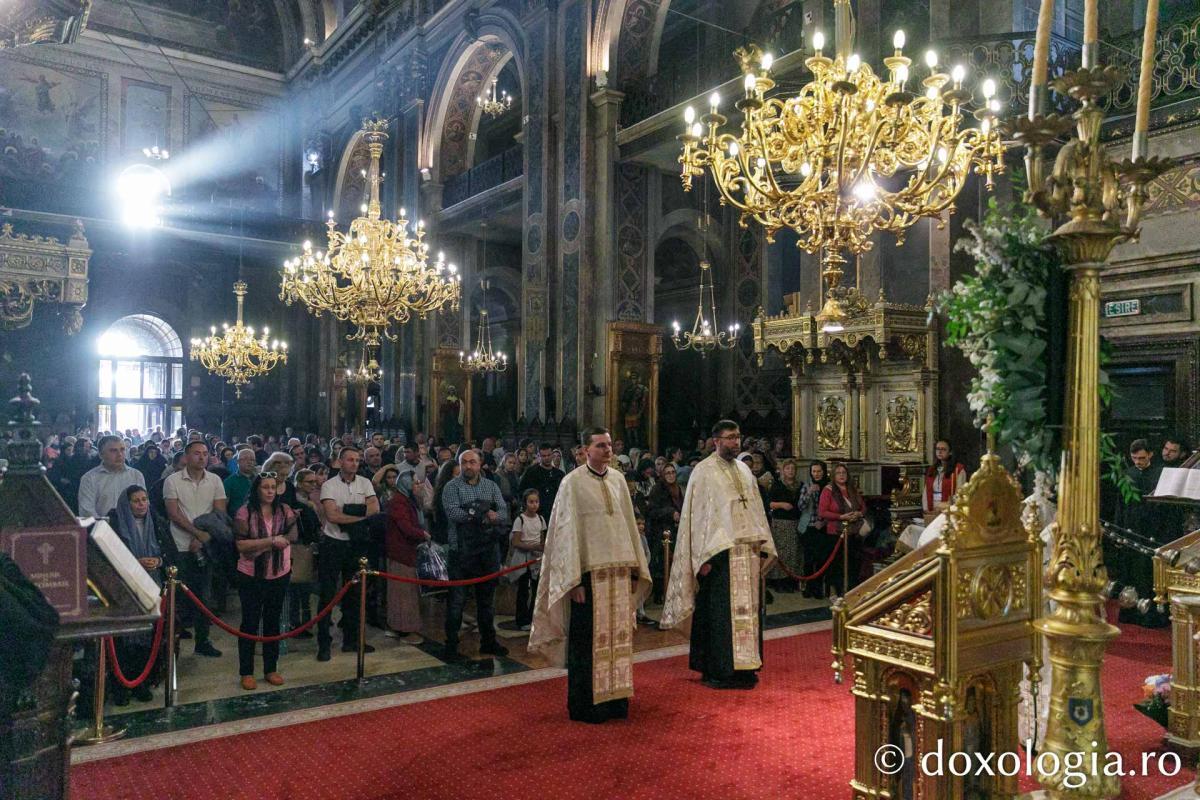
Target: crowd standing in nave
[281,518]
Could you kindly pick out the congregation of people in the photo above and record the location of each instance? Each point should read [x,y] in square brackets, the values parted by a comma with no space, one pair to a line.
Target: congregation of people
[283,521]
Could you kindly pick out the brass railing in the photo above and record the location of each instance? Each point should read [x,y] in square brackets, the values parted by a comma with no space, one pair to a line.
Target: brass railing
[1176,67]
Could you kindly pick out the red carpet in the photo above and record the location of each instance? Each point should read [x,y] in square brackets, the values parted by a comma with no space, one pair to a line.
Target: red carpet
[791,737]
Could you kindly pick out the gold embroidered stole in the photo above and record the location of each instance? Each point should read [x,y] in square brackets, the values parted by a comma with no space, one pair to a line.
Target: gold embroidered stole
[612,634]
[744,584]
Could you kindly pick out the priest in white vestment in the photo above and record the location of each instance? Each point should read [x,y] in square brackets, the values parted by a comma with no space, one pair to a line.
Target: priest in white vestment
[716,573]
[594,577]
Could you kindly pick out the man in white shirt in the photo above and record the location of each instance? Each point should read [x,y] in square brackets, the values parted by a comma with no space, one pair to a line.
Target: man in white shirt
[101,486]
[338,562]
[190,493]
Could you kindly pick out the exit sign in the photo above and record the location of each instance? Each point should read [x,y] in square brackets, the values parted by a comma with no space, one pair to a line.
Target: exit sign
[1123,308]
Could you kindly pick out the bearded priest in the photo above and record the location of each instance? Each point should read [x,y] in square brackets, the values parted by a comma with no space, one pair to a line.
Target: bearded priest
[594,577]
[716,574]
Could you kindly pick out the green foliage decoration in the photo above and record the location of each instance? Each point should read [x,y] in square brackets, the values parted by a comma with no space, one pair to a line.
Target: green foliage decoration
[997,318]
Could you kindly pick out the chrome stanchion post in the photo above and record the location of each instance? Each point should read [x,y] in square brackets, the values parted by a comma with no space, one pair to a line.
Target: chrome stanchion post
[99,733]
[169,683]
[362,616]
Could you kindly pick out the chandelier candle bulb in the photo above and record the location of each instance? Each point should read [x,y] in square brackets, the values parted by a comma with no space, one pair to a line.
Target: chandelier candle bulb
[818,42]
[767,61]
[931,60]
[957,74]
[898,41]
[853,63]
[689,116]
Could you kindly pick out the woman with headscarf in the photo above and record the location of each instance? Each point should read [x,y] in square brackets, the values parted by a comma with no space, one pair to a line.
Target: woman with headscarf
[816,545]
[405,530]
[133,522]
[783,504]
[151,463]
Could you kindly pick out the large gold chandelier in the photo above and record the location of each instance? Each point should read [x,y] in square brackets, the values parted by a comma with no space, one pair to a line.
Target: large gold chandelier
[850,155]
[483,359]
[236,355]
[375,274]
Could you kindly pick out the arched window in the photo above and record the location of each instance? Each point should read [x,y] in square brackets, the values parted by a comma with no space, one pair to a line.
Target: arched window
[141,376]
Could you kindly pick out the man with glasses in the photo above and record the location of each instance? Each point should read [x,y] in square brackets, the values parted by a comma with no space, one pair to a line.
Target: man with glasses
[716,574]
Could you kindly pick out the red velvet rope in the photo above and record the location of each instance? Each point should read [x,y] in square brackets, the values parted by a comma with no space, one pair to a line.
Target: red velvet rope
[220,623]
[116,666]
[460,582]
[837,546]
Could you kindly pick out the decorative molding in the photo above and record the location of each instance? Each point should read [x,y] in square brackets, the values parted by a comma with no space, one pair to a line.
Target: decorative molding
[38,269]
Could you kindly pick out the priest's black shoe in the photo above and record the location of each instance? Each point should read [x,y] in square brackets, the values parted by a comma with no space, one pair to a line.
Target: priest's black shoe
[593,716]
[493,649]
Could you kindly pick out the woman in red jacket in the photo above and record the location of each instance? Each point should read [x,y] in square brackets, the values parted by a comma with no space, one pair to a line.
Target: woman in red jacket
[841,504]
[404,533]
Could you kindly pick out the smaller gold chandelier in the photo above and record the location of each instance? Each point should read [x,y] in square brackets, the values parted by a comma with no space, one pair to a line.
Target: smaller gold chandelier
[483,360]
[368,370]
[496,102]
[236,355]
[704,336]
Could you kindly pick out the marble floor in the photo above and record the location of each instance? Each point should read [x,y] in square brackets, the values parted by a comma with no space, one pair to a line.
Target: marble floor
[209,691]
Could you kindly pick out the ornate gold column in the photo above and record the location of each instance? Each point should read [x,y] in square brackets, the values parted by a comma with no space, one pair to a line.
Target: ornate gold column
[1102,200]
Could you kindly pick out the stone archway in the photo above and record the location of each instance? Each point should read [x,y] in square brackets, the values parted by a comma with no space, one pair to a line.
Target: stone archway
[350,189]
[454,116]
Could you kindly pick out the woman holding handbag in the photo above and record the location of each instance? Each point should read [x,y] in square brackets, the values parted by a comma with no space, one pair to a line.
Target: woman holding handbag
[404,533]
[816,544]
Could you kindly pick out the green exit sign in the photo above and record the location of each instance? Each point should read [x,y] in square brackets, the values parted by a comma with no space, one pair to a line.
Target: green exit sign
[1123,308]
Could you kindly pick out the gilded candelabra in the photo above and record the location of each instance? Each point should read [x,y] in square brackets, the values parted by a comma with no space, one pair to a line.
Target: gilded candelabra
[850,155]
[376,274]
[1096,203]
[496,102]
[235,354]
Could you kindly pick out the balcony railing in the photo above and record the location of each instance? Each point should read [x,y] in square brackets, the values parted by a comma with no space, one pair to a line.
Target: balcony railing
[485,175]
[1008,59]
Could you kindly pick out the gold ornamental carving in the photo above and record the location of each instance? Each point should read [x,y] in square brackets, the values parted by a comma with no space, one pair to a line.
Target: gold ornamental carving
[900,427]
[41,269]
[42,22]
[915,616]
[831,423]
[991,591]
[893,650]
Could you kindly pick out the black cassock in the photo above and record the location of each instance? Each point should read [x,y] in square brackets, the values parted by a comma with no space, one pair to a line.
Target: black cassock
[579,666]
[712,625]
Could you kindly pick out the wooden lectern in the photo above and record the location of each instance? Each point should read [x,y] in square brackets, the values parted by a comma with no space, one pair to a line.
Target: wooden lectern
[39,532]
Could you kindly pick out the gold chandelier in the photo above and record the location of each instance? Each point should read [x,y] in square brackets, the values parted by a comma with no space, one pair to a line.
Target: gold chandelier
[375,274]
[483,359]
[236,355]
[368,370]
[496,102]
[850,155]
[704,336]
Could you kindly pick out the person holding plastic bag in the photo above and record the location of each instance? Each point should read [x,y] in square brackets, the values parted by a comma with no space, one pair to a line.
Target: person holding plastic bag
[403,535]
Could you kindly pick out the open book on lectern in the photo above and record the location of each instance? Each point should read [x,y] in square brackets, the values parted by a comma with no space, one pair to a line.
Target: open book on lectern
[132,573]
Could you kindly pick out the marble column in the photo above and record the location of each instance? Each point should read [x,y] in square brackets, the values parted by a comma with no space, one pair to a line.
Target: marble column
[574,261]
[601,237]
[537,229]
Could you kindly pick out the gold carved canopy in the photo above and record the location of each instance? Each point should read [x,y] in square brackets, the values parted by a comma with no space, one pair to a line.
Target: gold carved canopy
[42,269]
[42,22]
